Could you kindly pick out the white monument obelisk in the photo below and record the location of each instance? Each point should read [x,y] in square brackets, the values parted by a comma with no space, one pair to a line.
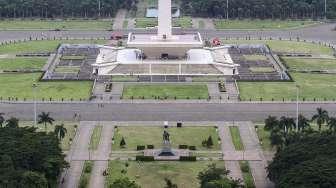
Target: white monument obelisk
[165,19]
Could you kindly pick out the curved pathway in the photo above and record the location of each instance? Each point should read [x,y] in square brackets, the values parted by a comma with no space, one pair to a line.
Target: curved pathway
[323,33]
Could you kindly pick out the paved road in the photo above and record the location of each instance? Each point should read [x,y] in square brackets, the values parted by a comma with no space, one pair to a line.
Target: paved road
[77,155]
[162,112]
[101,156]
[227,147]
[321,33]
[251,142]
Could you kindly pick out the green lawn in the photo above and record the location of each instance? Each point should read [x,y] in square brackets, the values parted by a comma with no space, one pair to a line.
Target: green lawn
[310,64]
[67,69]
[264,138]
[20,85]
[255,57]
[84,180]
[70,126]
[262,69]
[311,86]
[125,24]
[261,24]
[184,22]
[170,91]
[22,63]
[236,139]
[247,175]
[95,137]
[152,174]
[192,136]
[52,24]
[201,24]
[42,45]
[287,46]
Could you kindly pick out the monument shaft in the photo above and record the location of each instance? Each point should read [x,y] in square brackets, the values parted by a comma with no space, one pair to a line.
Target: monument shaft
[165,19]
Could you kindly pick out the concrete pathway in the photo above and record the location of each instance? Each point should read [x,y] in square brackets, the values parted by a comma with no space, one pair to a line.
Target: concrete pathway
[205,23]
[213,90]
[119,19]
[251,142]
[101,156]
[227,147]
[101,95]
[77,155]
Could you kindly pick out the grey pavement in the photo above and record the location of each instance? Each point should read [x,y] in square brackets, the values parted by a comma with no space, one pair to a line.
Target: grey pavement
[208,23]
[251,142]
[312,33]
[101,156]
[90,111]
[77,154]
[119,19]
[213,90]
[227,147]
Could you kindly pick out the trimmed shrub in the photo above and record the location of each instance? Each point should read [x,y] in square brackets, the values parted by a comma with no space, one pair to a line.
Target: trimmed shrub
[150,146]
[139,148]
[144,158]
[188,158]
[192,148]
[183,147]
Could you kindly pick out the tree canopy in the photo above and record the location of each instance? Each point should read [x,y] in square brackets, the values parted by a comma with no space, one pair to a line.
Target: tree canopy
[309,160]
[29,158]
[280,9]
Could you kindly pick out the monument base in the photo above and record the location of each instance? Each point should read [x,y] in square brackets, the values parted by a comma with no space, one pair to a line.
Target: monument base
[172,155]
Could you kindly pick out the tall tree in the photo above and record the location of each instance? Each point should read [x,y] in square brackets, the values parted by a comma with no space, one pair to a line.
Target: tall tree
[60,131]
[321,117]
[2,119]
[303,123]
[332,124]
[44,118]
[12,122]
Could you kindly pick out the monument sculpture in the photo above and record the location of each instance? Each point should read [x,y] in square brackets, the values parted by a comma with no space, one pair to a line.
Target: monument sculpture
[166,146]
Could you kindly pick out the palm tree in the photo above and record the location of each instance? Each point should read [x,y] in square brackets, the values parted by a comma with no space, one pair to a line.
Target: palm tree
[286,124]
[332,124]
[321,117]
[12,122]
[303,123]
[2,119]
[44,118]
[271,122]
[60,131]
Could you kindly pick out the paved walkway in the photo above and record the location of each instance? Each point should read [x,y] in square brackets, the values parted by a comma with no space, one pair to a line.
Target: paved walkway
[101,95]
[77,155]
[251,142]
[119,19]
[203,23]
[101,156]
[227,147]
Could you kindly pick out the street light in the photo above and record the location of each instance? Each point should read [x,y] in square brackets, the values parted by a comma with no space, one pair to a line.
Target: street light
[34,86]
[227,10]
[325,9]
[297,106]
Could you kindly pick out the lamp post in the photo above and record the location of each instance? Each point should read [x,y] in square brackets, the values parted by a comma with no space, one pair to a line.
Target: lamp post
[227,10]
[297,107]
[35,106]
[325,9]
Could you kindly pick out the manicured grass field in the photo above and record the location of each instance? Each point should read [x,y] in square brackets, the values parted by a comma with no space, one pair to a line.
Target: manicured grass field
[22,63]
[95,137]
[255,57]
[247,175]
[42,45]
[67,69]
[152,174]
[264,137]
[311,86]
[236,139]
[192,136]
[310,64]
[166,91]
[20,86]
[261,24]
[70,126]
[86,174]
[53,24]
[262,69]
[287,46]
[184,22]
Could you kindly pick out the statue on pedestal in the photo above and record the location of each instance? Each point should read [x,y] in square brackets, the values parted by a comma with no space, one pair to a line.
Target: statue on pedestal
[166,148]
